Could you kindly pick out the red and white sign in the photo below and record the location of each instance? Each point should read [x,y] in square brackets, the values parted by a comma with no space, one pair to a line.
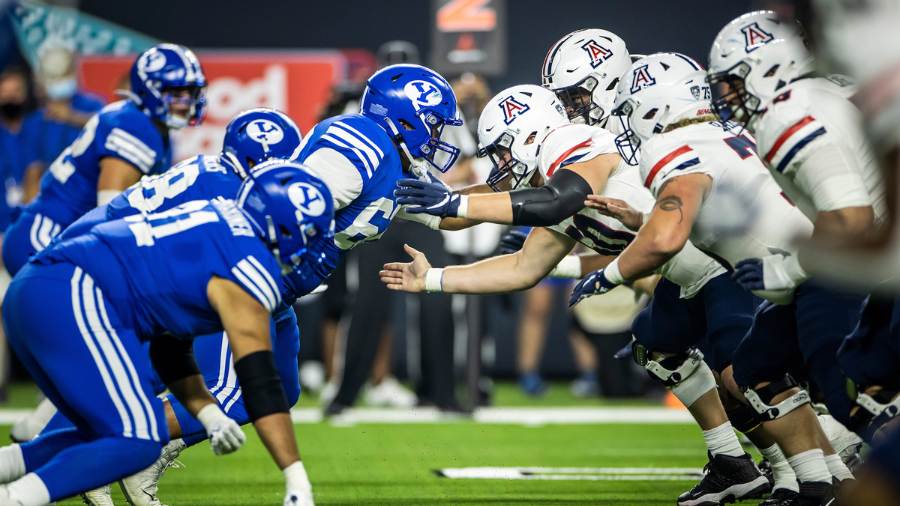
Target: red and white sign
[296,82]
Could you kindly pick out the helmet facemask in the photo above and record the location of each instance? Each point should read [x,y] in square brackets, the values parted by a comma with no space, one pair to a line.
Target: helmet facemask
[440,154]
[183,105]
[731,99]
[509,173]
[628,142]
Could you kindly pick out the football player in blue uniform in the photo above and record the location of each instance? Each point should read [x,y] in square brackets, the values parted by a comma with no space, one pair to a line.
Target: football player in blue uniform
[397,134]
[251,137]
[202,267]
[124,141]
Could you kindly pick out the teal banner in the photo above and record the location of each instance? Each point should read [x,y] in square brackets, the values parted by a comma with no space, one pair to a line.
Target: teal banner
[38,25]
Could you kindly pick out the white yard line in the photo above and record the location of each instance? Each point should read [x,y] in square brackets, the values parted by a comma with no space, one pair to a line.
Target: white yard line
[508,416]
[573,473]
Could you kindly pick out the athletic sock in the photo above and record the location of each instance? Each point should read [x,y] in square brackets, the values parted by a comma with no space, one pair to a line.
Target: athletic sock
[837,468]
[809,466]
[723,441]
[12,463]
[29,490]
[781,471]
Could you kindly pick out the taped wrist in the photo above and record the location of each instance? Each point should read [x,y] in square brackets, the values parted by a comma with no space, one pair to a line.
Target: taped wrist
[550,204]
[261,385]
[173,358]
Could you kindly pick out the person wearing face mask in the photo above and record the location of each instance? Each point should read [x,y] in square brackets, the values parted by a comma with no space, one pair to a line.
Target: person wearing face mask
[20,129]
[66,110]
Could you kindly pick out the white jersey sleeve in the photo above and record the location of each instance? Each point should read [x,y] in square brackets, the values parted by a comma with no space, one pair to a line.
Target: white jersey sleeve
[804,143]
[338,173]
[665,157]
[570,144]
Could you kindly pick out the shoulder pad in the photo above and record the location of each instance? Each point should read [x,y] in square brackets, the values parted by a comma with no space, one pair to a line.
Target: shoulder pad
[571,144]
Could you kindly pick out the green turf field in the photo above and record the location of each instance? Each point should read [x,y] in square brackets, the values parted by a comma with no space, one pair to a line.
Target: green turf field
[394,464]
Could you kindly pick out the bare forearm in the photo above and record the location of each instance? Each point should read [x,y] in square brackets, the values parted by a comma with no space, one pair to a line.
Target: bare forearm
[277,433]
[192,393]
[498,274]
[31,183]
[493,208]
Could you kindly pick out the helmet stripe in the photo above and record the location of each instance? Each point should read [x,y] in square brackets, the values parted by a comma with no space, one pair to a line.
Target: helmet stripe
[548,60]
[691,62]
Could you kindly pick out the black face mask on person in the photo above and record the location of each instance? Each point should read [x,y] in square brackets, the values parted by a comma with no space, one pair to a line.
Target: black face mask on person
[12,110]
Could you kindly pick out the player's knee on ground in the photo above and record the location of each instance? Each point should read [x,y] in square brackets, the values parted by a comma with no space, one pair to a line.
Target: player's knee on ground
[777,398]
[685,373]
[875,408]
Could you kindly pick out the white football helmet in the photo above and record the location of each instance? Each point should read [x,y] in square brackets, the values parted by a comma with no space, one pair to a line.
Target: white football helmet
[510,130]
[583,69]
[659,90]
[752,58]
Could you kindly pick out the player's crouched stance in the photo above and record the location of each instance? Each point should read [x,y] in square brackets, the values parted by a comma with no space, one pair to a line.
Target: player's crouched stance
[202,267]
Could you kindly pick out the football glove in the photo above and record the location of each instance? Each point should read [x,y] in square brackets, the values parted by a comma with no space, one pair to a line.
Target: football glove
[774,272]
[225,435]
[595,283]
[433,198]
[513,240]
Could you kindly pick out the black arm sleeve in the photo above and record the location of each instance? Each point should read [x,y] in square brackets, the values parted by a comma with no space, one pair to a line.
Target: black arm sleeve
[261,385]
[550,204]
[173,358]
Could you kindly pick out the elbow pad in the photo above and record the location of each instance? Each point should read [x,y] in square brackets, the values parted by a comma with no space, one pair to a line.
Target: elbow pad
[173,358]
[550,204]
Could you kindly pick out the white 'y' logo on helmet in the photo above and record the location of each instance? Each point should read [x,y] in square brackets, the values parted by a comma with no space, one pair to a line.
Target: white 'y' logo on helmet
[265,132]
[423,94]
[307,199]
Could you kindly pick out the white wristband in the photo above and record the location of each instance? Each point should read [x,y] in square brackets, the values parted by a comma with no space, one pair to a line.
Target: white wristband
[105,196]
[463,210]
[569,267]
[434,280]
[295,477]
[210,415]
[612,273]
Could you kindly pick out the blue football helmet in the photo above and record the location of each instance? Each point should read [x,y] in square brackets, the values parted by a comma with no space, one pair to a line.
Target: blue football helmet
[292,211]
[168,77]
[414,103]
[256,135]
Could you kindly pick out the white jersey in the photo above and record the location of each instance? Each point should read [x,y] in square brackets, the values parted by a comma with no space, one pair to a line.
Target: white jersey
[744,215]
[690,269]
[811,114]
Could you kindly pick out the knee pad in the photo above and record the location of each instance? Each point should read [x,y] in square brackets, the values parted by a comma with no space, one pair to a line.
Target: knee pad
[685,373]
[742,417]
[759,398]
[875,409]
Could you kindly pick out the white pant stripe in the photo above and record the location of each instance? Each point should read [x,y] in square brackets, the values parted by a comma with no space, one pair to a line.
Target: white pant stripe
[223,365]
[107,349]
[95,354]
[129,366]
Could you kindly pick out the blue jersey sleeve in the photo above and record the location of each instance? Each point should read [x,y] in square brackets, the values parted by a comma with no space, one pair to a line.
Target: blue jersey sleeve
[128,135]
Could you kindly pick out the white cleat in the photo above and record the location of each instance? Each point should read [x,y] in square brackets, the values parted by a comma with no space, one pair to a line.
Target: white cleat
[390,394]
[140,489]
[98,497]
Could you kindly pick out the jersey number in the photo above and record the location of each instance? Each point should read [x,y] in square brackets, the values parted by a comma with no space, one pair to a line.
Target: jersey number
[149,227]
[369,225]
[150,193]
[744,147]
[595,235]
[62,168]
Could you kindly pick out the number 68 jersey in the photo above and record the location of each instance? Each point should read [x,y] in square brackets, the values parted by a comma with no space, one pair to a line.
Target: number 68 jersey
[155,268]
[690,269]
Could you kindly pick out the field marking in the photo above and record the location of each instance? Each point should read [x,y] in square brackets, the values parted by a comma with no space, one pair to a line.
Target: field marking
[573,473]
[530,417]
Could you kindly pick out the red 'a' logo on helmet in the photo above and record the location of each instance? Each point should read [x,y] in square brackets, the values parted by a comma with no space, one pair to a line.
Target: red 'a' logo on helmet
[755,37]
[597,53]
[512,109]
[642,79]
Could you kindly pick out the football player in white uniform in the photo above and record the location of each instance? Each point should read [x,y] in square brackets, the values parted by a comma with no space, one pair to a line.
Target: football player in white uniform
[711,187]
[524,132]
[811,138]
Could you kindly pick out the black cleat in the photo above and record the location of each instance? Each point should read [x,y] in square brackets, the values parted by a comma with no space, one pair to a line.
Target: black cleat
[781,497]
[727,479]
[815,493]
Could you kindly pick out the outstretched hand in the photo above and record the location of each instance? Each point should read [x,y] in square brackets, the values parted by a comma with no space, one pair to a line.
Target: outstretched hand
[409,276]
[617,209]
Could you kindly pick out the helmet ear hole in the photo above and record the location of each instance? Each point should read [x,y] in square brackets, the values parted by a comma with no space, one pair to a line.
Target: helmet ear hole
[531,138]
[771,71]
[406,124]
[651,113]
[613,84]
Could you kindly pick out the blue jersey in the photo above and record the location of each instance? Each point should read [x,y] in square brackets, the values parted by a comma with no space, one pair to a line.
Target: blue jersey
[120,130]
[201,177]
[360,164]
[154,269]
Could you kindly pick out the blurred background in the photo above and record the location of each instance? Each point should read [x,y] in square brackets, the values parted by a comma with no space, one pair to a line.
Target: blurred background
[62,60]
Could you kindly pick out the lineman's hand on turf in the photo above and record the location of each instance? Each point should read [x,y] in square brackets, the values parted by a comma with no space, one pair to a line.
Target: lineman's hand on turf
[617,209]
[594,283]
[406,277]
[427,197]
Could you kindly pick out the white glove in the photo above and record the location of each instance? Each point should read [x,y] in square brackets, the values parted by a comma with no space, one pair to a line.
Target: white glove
[782,272]
[225,435]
